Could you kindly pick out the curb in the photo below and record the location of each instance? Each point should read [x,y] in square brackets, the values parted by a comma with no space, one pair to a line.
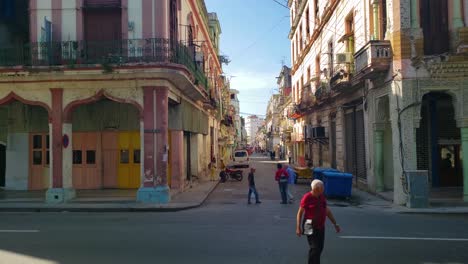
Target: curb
[75,208]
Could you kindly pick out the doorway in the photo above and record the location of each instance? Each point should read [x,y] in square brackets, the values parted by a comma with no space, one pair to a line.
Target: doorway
[439,141]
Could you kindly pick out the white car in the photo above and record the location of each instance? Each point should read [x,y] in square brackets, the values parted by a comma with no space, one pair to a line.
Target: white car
[241,158]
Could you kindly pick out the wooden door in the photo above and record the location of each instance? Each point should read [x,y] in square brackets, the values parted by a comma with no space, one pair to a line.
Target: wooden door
[87,173]
[110,156]
[129,176]
[434,21]
[39,160]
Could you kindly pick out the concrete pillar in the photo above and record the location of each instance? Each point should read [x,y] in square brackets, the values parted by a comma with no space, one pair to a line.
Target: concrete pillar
[464,136]
[375,8]
[415,14]
[177,160]
[379,168]
[457,20]
[60,190]
[154,187]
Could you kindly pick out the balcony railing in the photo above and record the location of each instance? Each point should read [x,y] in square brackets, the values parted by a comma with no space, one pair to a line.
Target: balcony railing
[375,57]
[342,75]
[76,53]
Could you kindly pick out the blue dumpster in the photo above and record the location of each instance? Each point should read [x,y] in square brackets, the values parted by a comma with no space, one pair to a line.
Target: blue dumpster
[318,172]
[337,184]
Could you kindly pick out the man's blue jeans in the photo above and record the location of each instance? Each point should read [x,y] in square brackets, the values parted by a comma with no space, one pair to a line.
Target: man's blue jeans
[253,190]
[283,187]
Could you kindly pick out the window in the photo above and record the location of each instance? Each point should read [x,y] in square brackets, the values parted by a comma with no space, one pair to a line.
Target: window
[47,149]
[37,157]
[308,74]
[300,38]
[136,156]
[239,154]
[77,157]
[330,58]
[233,96]
[37,141]
[317,69]
[307,23]
[124,156]
[349,29]
[316,12]
[90,157]
[174,22]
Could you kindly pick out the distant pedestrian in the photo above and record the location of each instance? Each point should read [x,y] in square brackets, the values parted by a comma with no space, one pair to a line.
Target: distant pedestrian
[291,183]
[310,220]
[281,177]
[252,188]
[289,156]
[213,169]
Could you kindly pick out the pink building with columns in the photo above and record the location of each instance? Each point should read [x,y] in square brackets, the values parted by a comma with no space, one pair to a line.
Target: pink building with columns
[98,94]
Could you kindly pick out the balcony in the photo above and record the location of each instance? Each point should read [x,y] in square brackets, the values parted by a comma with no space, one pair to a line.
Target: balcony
[342,76]
[374,58]
[75,54]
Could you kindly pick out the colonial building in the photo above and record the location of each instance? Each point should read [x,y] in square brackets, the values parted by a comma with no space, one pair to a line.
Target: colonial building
[252,124]
[379,90]
[272,124]
[108,94]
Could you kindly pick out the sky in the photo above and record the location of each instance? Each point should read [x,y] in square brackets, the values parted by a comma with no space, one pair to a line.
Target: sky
[255,38]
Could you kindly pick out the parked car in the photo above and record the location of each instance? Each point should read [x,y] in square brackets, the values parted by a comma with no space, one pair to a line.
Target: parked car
[241,159]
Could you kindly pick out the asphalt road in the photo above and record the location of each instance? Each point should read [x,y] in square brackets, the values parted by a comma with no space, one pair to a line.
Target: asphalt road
[227,230]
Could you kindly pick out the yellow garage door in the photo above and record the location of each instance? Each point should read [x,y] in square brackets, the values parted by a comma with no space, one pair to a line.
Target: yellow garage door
[129,160]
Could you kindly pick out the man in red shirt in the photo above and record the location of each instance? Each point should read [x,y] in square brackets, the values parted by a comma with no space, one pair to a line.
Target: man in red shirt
[282,177]
[312,214]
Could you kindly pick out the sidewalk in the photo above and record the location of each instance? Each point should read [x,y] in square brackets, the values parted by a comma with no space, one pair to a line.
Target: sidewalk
[106,202]
[385,201]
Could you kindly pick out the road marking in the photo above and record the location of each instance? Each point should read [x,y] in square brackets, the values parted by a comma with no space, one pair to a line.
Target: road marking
[19,231]
[407,238]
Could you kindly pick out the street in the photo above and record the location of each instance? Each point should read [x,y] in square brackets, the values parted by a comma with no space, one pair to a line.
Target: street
[228,230]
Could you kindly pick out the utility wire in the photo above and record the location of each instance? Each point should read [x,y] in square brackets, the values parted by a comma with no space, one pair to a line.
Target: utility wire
[281,4]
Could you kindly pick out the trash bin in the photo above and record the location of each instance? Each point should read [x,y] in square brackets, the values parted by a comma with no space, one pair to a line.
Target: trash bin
[318,172]
[418,189]
[337,184]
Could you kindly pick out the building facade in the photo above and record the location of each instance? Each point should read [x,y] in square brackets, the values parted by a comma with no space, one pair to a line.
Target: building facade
[371,80]
[101,94]
[252,124]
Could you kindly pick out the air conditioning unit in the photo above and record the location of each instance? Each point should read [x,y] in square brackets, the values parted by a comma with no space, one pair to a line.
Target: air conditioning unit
[346,57]
[318,132]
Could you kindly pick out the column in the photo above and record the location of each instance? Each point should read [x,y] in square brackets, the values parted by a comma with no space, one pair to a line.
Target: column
[375,7]
[61,188]
[379,168]
[415,14]
[154,187]
[465,11]
[457,20]
[177,160]
[464,136]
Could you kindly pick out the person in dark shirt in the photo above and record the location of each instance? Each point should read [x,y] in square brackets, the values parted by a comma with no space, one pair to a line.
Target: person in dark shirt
[252,188]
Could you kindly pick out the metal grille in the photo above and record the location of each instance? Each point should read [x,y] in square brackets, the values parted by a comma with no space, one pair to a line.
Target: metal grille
[355,144]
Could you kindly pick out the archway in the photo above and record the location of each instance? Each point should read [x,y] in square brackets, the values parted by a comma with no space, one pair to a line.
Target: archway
[106,144]
[24,144]
[439,142]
